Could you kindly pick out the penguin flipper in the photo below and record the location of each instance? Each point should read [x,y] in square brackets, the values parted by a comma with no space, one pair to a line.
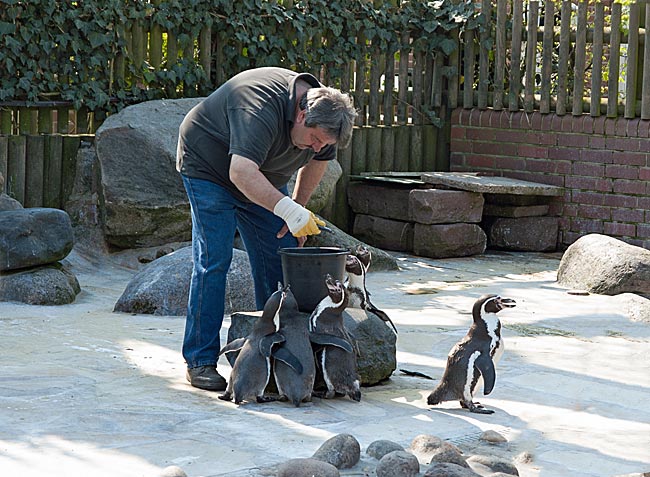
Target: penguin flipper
[330,340]
[266,343]
[287,357]
[486,367]
[381,314]
[234,345]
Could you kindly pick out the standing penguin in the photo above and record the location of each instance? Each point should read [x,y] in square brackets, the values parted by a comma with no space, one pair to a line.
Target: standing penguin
[474,356]
[356,267]
[334,353]
[252,368]
[294,383]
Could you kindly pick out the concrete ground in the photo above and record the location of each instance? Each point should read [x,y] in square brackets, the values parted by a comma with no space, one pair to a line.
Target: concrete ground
[88,392]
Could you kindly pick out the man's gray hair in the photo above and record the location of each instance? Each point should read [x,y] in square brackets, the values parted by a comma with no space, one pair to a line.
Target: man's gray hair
[331,110]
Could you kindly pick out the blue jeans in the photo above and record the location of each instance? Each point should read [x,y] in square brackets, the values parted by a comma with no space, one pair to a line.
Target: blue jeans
[216,214]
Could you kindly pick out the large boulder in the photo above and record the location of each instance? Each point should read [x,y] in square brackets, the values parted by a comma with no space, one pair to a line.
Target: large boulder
[141,198]
[51,284]
[33,237]
[605,265]
[162,286]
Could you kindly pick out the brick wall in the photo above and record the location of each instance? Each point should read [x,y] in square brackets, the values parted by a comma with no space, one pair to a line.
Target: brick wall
[603,163]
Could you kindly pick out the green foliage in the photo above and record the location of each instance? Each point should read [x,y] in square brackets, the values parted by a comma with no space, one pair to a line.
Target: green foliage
[77,51]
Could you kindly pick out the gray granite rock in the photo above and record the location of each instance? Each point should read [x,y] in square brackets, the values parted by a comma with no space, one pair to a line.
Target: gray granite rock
[385,233]
[445,469]
[380,448]
[398,463]
[162,286]
[605,265]
[8,203]
[32,237]
[342,451]
[307,468]
[437,206]
[51,284]
[448,240]
[494,463]
[525,234]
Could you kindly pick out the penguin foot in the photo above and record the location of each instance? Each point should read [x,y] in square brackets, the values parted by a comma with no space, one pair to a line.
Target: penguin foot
[476,407]
[263,399]
[227,396]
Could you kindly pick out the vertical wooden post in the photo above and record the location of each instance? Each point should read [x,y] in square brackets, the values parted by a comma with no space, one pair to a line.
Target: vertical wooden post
[6,122]
[614,61]
[388,148]
[514,92]
[581,61]
[563,59]
[205,56]
[68,165]
[360,81]
[547,51]
[402,94]
[468,70]
[15,180]
[34,171]
[597,63]
[645,89]
[373,149]
[389,86]
[52,187]
[484,58]
[632,62]
[500,56]
[155,39]
[4,158]
[531,56]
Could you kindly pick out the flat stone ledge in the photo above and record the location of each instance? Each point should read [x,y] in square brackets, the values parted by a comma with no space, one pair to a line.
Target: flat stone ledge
[474,182]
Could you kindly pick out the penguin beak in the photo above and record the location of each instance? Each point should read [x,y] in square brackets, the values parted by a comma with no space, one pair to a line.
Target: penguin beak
[506,302]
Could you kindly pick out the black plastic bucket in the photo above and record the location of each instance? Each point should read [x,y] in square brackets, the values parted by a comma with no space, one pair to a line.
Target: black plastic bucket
[304,268]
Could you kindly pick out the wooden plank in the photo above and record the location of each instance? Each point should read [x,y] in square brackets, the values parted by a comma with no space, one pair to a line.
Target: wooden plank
[500,55]
[547,58]
[597,62]
[359,150]
[34,171]
[360,81]
[15,180]
[6,121]
[453,70]
[438,67]
[373,97]
[563,58]
[580,60]
[429,147]
[531,56]
[402,94]
[205,56]
[632,62]
[53,164]
[68,165]
[514,91]
[468,70]
[83,120]
[428,83]
[155,39]
[614,61]
[45,120]
[402,149]
[24,120]
[645,89]
[484,58]
[373,149]
[341,216]
[416,101]
[387,148]
[4,157]
[415,158]
[389,88]
[62,120]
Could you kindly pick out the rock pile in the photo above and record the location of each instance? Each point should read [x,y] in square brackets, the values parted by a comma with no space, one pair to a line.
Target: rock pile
[32,243]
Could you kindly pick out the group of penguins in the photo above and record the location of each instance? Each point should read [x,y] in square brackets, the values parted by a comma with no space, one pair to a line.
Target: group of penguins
[303,350]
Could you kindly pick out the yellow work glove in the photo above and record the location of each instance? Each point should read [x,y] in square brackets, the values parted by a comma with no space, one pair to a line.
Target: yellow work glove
[301,222]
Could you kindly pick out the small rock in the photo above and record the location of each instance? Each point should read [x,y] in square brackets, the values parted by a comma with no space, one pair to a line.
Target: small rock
[448,453]
[398,463]
[578,292]
[307,468]
[500,474]
[172,471]
[524,458]
[425,446]
[492,437]
[380,448]
[495,464]
[445,469]
[342,451]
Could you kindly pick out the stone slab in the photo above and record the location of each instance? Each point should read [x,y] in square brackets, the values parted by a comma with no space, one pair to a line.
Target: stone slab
[526,234]
[390,202]
[436,206]
[448,240]
[487,184]
[514,211]
[384,233]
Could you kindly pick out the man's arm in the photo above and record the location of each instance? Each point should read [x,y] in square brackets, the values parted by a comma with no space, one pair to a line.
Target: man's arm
[246,176]
[308,178]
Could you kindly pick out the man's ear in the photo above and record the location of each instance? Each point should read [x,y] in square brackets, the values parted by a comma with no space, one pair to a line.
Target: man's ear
[300,117]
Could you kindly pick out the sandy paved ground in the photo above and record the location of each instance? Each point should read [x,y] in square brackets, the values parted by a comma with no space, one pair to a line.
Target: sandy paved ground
[88,392]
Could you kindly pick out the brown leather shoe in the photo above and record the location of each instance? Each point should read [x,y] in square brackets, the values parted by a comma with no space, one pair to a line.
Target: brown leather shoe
[206,377]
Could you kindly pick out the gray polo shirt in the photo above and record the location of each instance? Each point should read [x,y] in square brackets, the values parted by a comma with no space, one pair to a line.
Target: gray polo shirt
[250,115]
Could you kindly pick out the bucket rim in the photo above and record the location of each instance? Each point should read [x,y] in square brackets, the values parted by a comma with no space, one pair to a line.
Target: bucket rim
[302,251]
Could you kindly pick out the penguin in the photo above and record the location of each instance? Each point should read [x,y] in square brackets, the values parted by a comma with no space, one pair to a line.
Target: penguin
[252,368]
[334,353]
[356,267]
[474,356]
[294,383]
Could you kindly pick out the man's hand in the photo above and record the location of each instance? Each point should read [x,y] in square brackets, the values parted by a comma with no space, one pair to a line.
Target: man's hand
[301,222]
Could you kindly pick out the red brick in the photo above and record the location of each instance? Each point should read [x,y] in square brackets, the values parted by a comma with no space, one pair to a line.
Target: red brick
[628,215]
[538,165]
[632,127]
[573,140]
[479,134]
[621,126]
[643,230]
[567,124]
[536,121]
[556,123]
[642,203]
[622,201]
[510,135]
[614,228]
[590,198]
[623,144]
[631,158]
[511,163]
[616,171]
[564,153]
[496,148]
[547,122]
[602,157]
[460,145]
[594,212]
[588,124]
[515,119]
[455,116]
[529,150]
[610,127]
[563,167]
[486,117]
[643,130]
[629,187]
[586,226]
[475,160]
[644,173]
[547,138]
[505,119]
[570,210]
[644,145]
[475,117]
[458,132]
[588,169]
[597,142]
[599,125]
